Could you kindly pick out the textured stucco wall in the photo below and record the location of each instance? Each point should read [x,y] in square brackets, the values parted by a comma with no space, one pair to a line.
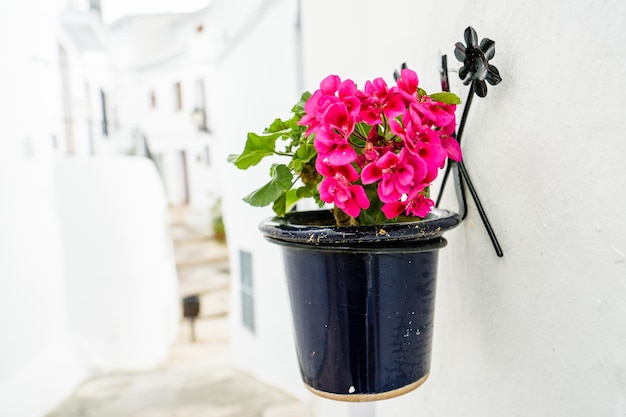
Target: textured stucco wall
[540,332]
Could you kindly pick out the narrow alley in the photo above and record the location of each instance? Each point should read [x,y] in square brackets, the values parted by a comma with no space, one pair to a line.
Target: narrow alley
[197,379]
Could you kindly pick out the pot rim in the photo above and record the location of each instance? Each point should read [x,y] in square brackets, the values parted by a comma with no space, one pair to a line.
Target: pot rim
[316,228]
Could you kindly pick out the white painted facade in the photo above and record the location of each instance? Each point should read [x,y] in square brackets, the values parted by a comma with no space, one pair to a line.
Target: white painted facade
[87,275]
[164,73]
[539,332]
[257,80]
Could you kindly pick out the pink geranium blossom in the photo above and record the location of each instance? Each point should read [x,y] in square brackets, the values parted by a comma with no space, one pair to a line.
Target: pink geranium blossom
[332,90]
[337,187]
[416,204]
[332,139]
[377,100]
[408,83]
[423,142]
[395,139]
[395,174]
[373,152]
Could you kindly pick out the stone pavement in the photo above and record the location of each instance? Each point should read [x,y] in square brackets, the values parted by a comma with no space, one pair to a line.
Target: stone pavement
[197,379]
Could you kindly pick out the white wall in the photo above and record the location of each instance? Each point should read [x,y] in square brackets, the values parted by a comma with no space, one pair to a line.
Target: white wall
[87,276]
[256,83]
[121,289]
[540,332]
[30,108]
[39,364]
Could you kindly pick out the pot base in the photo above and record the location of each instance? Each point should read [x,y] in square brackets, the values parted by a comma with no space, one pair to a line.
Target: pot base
[358,398]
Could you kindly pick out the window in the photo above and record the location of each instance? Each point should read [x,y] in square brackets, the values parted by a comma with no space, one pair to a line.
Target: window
[105,121]
[247,291]
[178,92]
[94,5]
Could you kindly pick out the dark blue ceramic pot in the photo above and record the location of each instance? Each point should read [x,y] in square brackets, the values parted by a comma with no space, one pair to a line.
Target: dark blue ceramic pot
[362,300]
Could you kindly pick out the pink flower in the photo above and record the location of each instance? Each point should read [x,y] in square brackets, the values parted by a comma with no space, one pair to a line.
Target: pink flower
[332,139]
[416,204]
[390,137]
[330,85]
[337,187]
[332,90]
[452,147]
[315,107]
[433,113]
[428,146]
[423,142]
[408,82]
[397,174]
[348,94]
[377,99]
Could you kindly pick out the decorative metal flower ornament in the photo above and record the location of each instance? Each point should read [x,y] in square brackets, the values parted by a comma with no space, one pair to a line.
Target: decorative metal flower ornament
[475,70]
[475,58]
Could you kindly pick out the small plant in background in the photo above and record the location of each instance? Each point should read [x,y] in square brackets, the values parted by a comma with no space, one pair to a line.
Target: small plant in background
[372,152]
[217,222]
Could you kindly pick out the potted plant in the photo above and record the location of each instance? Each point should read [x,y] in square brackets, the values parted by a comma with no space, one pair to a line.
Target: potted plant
[362,274]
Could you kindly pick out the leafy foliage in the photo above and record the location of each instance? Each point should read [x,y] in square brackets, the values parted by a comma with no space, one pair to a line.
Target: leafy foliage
[289,183]
[373,153]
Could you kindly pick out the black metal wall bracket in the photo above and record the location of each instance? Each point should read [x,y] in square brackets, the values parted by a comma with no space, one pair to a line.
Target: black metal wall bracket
[474,72]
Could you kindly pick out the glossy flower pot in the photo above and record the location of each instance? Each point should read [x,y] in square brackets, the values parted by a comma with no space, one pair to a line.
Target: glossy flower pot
[362,300]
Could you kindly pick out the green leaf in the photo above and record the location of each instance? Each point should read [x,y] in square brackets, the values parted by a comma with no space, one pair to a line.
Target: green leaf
[285,202]
[446,98]
[363,128]
[257,147]
[277,126]
[306,191]
[306,152]
[282,179]
[298,108]
[280,205]
[292,199]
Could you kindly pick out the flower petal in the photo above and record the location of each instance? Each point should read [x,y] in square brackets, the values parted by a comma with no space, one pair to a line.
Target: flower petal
[342,154]
[421,206]
[371,173]
[360,196]
[471,38]
[480,88]
[459,51]
[488,47]
[493,75]
[452,148]
[330,84]
[464,75]
[408,81]
[392,210]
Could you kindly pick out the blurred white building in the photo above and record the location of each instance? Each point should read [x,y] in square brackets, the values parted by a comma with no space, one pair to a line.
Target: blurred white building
[164,65]
[87,276]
